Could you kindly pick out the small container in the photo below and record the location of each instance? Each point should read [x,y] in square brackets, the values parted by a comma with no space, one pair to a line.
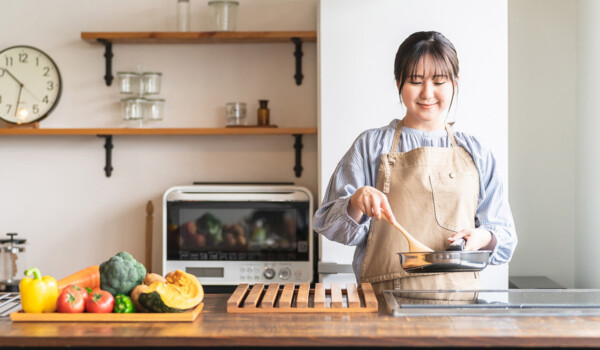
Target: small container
[236,113]
[223,15]
[129,82]
[183,15]
[132,108]
[151,82]
[263,112]
[154,109]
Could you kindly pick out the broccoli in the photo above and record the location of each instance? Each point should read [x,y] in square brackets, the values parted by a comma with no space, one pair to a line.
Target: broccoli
[121,273]
[212,226]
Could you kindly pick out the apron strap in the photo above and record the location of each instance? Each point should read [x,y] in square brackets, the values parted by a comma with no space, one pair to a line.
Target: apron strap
[397,136]
[451,135]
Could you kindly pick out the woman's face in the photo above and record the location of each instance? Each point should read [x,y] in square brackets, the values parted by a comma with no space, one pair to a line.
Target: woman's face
[426,97]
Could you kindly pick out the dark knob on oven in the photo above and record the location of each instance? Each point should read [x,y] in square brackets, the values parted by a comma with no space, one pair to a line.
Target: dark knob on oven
[269,273]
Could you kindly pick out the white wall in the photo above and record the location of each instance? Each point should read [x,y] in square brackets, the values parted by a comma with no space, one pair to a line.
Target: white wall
[358,41]
[542,36]
[53,190]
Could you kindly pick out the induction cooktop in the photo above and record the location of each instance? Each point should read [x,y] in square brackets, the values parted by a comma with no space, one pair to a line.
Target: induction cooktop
[502,302]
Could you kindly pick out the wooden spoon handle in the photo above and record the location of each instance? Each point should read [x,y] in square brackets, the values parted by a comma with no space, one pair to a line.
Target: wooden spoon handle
[413,244]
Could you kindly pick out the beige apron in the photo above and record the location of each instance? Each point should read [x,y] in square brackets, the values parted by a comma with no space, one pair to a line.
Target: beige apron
[433,193]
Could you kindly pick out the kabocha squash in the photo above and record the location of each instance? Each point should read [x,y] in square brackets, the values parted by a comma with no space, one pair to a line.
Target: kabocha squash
[181,292]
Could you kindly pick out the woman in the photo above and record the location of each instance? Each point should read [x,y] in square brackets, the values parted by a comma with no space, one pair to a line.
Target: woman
[440,184]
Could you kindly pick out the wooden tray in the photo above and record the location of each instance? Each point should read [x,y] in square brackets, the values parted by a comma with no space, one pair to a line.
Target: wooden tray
[189,316]
[302,299]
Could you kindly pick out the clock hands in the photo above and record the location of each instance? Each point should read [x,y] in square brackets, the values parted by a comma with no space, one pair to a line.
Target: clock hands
[24,113]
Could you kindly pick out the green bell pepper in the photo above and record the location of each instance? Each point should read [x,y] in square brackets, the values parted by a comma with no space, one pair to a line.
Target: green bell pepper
[123,304]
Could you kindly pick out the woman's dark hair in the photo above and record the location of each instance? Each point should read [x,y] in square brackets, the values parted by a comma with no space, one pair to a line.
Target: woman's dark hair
[426,44]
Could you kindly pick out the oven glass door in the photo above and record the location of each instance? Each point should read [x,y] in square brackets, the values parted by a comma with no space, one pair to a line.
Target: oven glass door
[243,231]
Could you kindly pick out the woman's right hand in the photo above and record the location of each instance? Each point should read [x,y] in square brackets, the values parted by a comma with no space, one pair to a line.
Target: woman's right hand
[371,202]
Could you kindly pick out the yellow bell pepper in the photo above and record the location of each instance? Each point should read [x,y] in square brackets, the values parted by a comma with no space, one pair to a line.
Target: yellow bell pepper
[38,294]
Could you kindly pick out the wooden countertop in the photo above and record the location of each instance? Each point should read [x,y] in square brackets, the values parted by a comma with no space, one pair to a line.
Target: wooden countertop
[214,327]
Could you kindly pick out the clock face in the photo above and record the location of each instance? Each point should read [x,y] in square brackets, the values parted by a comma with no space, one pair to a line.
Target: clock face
[30,85]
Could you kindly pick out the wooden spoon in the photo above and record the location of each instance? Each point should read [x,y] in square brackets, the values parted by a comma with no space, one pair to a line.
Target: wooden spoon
[413,244]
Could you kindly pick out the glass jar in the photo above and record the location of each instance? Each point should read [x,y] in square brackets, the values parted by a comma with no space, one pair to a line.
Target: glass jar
[183,15]
[223,15]
[154,109]
[132,108]
[128,82]
[151,82]
[236,113]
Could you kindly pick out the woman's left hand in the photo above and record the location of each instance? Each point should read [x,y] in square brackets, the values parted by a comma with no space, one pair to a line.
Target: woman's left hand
[476,239]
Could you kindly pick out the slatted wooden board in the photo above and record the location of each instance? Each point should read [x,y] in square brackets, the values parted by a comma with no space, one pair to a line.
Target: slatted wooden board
[302,299]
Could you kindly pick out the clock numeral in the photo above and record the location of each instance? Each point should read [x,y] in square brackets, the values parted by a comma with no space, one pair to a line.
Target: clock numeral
[36,109]
[23,57]
[8,107]
[50,85]
[2,72]
[45,99]
[46,71]
[0,99]
[8,61]
[37,61]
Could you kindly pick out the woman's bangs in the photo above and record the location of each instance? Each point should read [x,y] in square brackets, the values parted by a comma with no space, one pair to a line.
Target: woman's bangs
[426,53]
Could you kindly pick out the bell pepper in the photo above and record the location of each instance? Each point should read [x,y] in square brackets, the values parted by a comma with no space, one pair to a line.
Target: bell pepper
[38,294]
[123,304]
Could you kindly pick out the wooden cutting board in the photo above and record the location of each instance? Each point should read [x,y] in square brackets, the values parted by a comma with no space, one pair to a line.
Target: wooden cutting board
[188,316]
[290,299]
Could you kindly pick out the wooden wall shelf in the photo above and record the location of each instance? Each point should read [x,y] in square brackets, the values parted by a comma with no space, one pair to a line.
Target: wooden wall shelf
[107,134]
[162,131]
[198,37]
[109,38]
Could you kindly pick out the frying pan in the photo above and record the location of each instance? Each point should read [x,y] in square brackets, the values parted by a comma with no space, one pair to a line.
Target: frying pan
[421,259]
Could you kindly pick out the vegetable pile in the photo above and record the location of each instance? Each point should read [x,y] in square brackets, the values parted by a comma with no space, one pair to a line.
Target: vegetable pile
[119,285]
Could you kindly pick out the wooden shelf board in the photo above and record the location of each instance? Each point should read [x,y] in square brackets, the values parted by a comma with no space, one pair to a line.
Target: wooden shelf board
[198,37]
[163,131]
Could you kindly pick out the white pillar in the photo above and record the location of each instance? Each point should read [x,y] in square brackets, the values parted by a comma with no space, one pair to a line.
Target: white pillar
[587,193]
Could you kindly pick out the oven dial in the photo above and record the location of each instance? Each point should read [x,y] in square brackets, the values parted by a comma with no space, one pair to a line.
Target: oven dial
[285,273]
[269,273]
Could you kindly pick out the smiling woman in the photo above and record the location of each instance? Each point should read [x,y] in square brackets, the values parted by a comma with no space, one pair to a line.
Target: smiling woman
[441,184]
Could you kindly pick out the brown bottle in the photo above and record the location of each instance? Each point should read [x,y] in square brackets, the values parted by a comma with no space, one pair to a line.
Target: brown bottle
[263,112]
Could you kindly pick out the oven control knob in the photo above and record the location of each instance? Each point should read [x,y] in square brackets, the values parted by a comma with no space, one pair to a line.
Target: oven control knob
[285,273]
[269,273]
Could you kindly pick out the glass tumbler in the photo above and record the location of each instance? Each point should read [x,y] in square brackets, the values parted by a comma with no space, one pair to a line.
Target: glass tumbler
[236,113]
[223,15]
[132,108]
[151,82]
[154,109]
[128,82]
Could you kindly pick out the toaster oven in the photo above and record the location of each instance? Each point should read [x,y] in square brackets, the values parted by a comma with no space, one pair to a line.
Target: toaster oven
[231,234]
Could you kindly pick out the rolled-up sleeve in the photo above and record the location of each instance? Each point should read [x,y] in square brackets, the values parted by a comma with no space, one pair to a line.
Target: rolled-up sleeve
[493,212]
[332,219]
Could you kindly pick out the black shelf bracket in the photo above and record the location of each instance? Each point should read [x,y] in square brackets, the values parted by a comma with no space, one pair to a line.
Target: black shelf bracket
[298,147]
[108,146]
[298,54]
[108,55]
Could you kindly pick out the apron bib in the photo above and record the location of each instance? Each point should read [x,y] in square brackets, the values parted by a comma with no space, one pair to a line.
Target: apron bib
[433,193]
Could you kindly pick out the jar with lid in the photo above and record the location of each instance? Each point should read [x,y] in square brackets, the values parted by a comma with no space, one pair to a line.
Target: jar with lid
[263,112]
[223,15]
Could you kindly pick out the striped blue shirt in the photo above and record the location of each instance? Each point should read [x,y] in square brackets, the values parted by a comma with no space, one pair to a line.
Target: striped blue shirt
[359,167]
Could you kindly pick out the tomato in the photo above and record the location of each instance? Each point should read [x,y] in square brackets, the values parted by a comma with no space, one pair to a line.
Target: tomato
[100,301]
[75,288]
[70,301]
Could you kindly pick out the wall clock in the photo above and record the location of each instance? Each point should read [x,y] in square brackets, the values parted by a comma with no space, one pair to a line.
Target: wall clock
[30,85]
